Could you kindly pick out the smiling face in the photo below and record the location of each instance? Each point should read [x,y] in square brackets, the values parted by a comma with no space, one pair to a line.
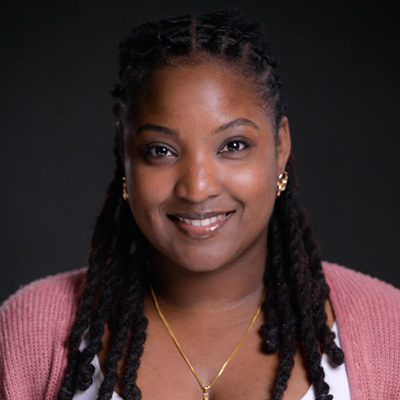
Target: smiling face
[202,158]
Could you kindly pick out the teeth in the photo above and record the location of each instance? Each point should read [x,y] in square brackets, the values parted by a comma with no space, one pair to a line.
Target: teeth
[201,222]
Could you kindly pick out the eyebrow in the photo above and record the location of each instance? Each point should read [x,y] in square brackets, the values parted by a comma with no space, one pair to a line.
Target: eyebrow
[157,128]
[235,123]
[169,131]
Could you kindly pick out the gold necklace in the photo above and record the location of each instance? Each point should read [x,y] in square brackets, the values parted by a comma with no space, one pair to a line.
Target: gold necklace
[205,388]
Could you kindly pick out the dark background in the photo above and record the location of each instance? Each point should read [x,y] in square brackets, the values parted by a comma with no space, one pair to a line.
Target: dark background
[59,60]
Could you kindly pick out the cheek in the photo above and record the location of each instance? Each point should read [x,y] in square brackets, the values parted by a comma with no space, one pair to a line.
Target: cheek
[148,191]
[257,180]
[255,188]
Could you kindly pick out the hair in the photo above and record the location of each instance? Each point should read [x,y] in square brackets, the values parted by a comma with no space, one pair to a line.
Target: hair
[294,307]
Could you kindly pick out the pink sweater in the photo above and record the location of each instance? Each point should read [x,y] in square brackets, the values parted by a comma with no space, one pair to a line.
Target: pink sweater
[35,323]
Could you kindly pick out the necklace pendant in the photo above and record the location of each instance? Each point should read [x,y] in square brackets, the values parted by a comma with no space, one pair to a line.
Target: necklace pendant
[205,394]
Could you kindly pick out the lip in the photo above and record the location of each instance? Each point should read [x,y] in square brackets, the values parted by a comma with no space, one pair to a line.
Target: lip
[201,225]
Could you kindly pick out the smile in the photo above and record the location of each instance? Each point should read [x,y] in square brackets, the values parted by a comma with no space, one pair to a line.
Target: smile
[201,226]
[202,222]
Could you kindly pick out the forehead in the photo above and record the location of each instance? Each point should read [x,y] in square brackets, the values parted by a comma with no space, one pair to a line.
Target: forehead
[202,75]
[184,90]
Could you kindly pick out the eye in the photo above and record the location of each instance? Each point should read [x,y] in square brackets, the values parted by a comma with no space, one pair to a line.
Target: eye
[158,151]
[234,146]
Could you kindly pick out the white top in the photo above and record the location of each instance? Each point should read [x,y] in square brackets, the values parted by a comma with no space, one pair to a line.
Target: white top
[335,377]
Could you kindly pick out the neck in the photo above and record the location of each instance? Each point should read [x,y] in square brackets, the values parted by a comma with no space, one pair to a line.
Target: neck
[230,286]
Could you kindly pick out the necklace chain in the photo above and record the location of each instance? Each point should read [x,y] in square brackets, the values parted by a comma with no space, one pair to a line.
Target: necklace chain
[205,388]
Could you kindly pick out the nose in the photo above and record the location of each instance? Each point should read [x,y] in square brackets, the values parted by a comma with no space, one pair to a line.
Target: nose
[198,179]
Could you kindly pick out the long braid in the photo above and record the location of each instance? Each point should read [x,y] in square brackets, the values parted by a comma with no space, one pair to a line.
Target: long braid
[102,239]
[308,285]
[130,319]
[139,324]
[105,290]
[325,335]
[294,309]
[287,321]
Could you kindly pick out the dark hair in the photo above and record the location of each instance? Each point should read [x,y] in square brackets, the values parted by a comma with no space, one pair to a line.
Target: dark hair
[294,307]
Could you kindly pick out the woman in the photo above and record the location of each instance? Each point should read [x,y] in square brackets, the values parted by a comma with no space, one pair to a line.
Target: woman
[200,230]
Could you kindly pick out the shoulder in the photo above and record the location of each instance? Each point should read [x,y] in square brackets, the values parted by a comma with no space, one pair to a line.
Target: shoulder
[352,286]
[34,326]
[58,285]
[360,298]
[54,297]
[65,284]
[367,311]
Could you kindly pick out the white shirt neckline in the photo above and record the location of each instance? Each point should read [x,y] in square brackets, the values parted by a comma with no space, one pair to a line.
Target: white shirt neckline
[335,377]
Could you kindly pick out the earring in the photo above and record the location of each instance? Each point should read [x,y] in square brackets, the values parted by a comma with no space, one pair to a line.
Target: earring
[124,189]
[282,183]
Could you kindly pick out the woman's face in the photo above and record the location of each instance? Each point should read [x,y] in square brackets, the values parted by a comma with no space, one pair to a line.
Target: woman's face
[202,162]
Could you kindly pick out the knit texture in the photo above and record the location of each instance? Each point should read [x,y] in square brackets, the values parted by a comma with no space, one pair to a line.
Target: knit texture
[36,321]
[34,326]
[368,316]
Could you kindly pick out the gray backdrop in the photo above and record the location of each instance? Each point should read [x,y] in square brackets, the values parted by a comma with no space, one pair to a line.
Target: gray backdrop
[59,59]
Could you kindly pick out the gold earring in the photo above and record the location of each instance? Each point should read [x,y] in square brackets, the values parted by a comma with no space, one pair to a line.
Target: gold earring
[282,183]
[124,189]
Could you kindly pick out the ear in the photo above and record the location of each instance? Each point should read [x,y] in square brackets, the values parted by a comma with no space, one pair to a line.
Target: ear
[283,144]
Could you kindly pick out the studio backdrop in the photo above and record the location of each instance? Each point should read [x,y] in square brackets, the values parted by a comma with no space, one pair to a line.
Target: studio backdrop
[340,64]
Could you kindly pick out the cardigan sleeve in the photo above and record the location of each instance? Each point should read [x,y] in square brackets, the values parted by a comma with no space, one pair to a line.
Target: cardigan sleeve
[367,311]
[34,327]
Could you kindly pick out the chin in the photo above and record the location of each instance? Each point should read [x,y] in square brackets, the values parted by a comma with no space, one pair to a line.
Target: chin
[195,261]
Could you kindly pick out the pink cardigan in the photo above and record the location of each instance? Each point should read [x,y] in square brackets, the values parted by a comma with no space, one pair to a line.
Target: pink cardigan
[35,323]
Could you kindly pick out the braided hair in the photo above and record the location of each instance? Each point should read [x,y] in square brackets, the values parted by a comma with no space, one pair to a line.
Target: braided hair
[294,308]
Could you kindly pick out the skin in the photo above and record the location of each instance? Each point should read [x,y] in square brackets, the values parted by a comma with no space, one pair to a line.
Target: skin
[199,175]
[201,145]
